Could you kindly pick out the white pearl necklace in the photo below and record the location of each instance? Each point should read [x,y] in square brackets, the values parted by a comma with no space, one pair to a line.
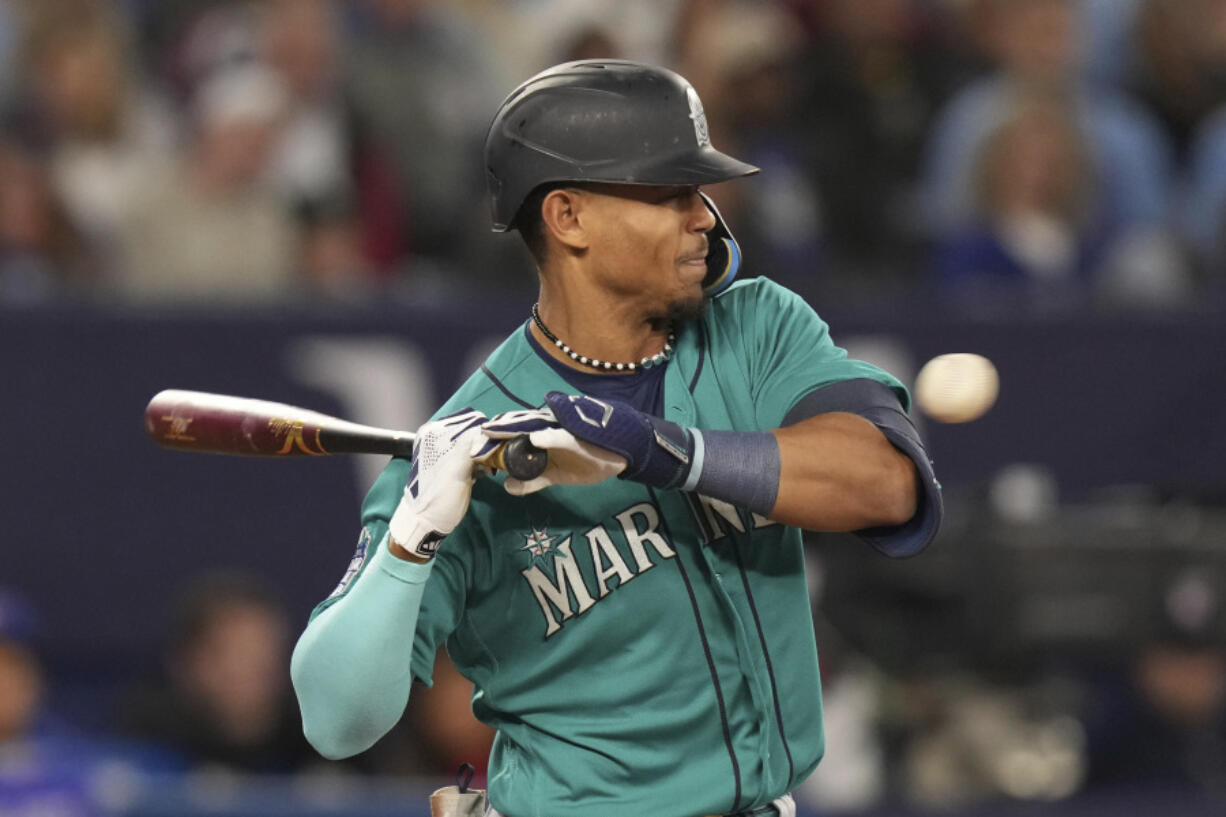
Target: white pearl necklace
[606,365]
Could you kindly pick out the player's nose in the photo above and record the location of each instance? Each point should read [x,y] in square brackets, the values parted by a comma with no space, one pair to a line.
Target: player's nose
[702,220]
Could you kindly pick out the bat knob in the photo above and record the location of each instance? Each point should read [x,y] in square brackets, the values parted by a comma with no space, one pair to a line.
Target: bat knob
[523,460]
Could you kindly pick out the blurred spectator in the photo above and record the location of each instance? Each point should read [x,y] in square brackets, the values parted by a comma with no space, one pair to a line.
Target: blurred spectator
[1182,77]
[591,44]
[331,258]
[43,771]
[870,82]
[104,132]
[420,83]
[226,704]
[1032,186]
[1109,40]
[21,678]
[974,740]
[652,31]
[853,774]
[10,40]
[1204,207]
[210,228]
[1165,726]
[310,160]
[747,60]
[204,38]
[341,189]
[41,253]
[1036,47]
[1039,231]
[1179,49]
[320,155]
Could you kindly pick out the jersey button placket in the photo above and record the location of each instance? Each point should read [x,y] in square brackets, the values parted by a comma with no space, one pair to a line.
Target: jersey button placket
[753,667]
[678,402]
[683,410]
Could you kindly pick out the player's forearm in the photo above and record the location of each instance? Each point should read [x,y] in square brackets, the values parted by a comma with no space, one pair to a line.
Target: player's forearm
[351,666]
[838,472]
[833,471]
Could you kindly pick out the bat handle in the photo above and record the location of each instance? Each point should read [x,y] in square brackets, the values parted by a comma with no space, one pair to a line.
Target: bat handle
[519,458]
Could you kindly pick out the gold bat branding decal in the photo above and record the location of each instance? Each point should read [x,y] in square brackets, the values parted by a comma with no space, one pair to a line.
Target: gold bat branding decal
[294,437]
[178,428]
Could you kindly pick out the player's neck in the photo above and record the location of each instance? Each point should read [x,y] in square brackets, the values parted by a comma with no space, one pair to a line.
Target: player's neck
[596,329]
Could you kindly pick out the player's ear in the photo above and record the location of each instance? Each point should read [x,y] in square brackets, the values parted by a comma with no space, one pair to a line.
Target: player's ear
[560,214]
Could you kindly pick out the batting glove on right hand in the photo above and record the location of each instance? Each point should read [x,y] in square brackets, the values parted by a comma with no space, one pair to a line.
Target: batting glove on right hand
[440,484]
[571,460]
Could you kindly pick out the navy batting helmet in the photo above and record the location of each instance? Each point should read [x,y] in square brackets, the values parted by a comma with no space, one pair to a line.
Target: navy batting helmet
[607,121]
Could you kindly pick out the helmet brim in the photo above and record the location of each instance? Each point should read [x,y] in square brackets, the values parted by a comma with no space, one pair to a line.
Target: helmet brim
[700,166]
[704,165]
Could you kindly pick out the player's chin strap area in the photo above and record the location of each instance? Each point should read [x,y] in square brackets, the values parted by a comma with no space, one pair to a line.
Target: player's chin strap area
[724,255]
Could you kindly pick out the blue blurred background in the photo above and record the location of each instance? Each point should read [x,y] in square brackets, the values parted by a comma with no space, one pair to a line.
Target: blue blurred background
[284,199]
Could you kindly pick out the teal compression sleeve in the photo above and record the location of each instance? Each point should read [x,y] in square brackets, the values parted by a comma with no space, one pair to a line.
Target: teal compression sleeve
[351,665]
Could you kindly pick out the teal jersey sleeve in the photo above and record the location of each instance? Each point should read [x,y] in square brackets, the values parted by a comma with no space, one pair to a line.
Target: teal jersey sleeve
[769,342]
[788,350]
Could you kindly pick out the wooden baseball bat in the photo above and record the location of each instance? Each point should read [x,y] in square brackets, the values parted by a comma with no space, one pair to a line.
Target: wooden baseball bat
[224,424]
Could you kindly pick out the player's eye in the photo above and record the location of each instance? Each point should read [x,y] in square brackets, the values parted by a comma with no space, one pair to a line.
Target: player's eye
[672,194]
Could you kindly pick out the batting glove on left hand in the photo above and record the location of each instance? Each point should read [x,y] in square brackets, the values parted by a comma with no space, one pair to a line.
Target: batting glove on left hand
[445,462]
[571,461]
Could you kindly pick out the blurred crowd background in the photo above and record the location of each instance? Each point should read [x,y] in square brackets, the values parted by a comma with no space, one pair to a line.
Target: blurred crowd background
[1063,151]
[993,161]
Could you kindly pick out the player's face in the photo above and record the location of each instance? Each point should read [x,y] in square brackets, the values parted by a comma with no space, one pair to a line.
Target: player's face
[649,245]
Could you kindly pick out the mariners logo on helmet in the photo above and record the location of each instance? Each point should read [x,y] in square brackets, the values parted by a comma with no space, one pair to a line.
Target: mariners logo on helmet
[701,132]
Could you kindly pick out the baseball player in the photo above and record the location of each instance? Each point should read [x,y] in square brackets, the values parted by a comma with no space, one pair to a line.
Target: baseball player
[635,620]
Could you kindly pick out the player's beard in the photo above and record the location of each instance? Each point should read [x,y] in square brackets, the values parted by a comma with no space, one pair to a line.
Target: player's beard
[682,310]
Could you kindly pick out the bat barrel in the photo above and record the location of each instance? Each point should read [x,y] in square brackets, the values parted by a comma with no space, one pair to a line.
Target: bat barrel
[221,424]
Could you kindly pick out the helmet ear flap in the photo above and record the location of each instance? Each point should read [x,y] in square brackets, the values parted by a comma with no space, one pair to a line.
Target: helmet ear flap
[723,255]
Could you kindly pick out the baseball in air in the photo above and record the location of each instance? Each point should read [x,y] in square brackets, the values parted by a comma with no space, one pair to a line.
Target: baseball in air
[956,388]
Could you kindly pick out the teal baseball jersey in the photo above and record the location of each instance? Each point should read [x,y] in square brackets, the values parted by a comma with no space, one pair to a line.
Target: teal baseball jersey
[638,651]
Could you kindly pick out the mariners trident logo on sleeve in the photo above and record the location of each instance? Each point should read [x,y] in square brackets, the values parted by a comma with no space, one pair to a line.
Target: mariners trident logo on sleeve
[355,564]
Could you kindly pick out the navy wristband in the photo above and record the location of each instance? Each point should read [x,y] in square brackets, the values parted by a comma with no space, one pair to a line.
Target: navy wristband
[738,467]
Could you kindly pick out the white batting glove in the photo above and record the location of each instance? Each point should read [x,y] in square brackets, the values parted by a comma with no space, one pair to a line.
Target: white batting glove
[440,481]
[571,460]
